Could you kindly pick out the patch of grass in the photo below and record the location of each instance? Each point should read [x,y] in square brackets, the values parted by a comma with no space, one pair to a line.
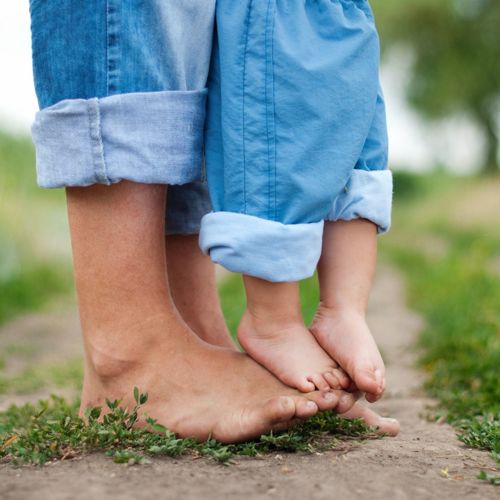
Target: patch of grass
[22,350]
[51,430]
[459,297]
[33,378]
[490,478]
[29,288]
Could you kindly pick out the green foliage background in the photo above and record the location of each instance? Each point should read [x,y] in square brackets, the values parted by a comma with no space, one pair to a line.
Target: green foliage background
[455,48]
[34,245]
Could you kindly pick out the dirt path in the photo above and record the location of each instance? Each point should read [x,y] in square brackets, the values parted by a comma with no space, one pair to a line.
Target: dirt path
[425,462]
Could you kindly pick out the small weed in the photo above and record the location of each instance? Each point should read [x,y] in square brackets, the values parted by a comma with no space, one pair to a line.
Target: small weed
[52,430]
[127,457]
[492,479]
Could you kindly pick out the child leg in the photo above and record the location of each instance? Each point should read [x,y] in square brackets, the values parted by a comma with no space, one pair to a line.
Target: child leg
[293,92]
[345,272]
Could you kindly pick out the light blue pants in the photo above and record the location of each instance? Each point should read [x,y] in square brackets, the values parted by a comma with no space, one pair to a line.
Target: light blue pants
[293,128]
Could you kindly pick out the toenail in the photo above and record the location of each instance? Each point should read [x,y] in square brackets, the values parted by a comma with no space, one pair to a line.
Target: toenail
[311,405]
[345,399]
[329,396]
[388,420]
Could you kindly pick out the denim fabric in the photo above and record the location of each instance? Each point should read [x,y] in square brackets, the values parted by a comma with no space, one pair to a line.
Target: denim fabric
[83,50]
[150,137]
[295,131]
[121,87]
[294,107]
[186,205]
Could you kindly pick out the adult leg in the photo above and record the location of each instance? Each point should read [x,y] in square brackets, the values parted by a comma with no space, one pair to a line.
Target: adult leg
[193,285]
[191,274]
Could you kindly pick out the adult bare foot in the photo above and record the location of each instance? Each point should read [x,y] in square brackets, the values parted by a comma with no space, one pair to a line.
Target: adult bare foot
[133,335]
[194,389]
[346,337]
[273,333]
[388,426]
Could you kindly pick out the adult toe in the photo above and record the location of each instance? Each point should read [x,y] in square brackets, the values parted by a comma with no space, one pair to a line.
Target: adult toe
[384,425]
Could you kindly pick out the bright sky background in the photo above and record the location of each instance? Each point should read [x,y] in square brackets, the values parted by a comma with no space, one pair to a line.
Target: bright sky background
[414,144]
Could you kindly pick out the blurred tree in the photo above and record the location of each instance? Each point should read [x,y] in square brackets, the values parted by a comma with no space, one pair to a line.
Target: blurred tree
[456,50]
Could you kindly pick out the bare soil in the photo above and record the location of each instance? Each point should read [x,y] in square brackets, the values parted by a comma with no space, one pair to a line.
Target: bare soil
[425,461]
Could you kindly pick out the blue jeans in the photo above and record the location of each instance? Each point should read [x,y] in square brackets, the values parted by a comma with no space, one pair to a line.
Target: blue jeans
[293,128]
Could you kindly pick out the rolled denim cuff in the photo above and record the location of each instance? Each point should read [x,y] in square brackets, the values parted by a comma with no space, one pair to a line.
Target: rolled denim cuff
[151,137]
[261,248]
[367,195]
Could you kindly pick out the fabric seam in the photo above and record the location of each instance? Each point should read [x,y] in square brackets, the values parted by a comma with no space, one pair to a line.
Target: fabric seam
[274,117]
[107,47]
[112,54]
[97,147]
[247,29]
[269,85]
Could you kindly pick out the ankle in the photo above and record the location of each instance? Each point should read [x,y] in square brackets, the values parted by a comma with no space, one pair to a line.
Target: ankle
[336,309]
[116,350]
[272,302]
[269,315]
[107,366]
[270,324]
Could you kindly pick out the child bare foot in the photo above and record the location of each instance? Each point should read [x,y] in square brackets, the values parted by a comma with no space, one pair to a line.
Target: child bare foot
[273,333]
[345,336]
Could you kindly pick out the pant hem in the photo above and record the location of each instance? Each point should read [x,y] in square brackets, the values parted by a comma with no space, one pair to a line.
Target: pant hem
[262,248]
[368,195]
[151,137]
